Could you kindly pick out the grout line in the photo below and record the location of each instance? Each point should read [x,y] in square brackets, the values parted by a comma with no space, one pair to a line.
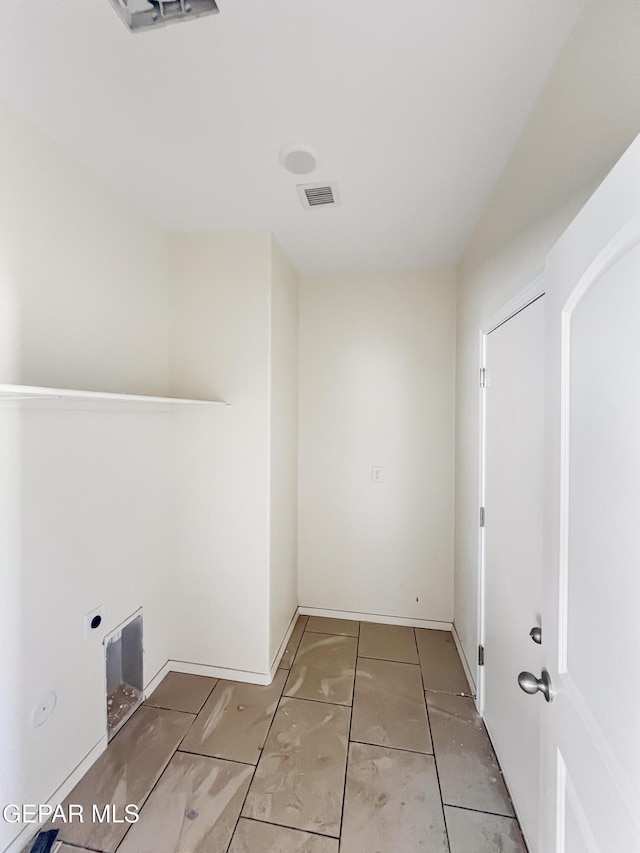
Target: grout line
[500,770]
[255,768]
[292,828]
[389,660]
[162,707]
[493,754]
[394,748]
[157,782]
[346,764]
[448,693]
[217,757]
[331,634]
[322,701]
[435,759]
[253,776]
[175,710]
[482,811]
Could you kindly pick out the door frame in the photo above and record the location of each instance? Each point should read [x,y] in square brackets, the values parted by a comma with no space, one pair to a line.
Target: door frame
[534,290]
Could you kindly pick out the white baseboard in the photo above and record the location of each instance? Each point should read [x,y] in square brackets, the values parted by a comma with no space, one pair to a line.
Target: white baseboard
[224,672]
[376,617]
[465,663]
[155,681]
[219,672]
[283,645]
[28,832]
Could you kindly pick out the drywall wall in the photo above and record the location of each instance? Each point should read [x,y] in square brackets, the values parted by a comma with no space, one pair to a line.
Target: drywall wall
[283,446]
[234,331]
[584,119]
[83,493]
[190,515]
[377,365]
[83,292]
[220,304]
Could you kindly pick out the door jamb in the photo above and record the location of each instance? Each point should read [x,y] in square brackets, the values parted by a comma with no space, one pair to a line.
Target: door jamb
[521,300]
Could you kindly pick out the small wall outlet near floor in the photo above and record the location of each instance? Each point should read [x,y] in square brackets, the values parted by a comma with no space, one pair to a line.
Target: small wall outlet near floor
[95,622]
[376,474]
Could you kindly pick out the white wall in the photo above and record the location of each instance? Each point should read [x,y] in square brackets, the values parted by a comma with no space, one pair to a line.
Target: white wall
[83,281]
[175,513]
[284,446]
[234,308]
[220,350]
[586,116]
[377,362]
[83,494]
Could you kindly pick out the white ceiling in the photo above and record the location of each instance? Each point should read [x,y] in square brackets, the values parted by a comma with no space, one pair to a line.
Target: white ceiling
[412,105]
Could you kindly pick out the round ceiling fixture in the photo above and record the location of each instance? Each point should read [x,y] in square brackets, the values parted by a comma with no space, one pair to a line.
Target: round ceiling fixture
[298,159]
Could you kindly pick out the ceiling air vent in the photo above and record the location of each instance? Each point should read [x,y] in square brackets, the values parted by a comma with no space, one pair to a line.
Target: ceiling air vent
[152,14]
[319,195]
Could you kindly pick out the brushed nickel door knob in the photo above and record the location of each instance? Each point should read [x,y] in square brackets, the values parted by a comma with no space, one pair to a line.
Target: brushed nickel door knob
[532,685]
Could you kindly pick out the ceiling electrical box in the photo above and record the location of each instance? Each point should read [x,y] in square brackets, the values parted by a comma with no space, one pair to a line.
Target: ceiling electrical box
[151,14]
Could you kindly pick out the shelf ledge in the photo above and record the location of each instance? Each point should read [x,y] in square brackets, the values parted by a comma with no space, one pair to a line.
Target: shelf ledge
[34,394]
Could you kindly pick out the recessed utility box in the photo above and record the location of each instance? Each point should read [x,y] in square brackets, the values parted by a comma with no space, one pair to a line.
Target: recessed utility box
[123,655]
[151,14]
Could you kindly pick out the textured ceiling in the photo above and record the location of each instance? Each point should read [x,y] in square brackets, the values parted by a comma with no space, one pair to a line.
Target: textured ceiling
[413,107]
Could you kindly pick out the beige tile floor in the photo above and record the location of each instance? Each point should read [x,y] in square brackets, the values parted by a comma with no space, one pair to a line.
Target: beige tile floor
[366,742]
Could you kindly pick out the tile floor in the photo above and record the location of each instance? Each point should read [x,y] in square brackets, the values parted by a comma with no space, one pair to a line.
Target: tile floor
[366,742]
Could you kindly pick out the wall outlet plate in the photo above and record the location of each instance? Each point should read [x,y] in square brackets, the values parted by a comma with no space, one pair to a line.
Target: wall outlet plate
[95,622]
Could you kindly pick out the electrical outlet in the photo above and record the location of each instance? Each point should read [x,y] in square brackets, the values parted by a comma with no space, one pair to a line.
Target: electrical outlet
[376,474]
[94,622]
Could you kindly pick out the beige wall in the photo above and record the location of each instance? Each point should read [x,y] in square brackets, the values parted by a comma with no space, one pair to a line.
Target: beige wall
[377,389]
[83,280]
[234,336]
[283,508]
[585,118]
[84,520]
[220,350]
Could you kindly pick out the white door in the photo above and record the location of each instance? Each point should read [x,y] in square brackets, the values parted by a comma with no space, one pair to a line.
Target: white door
[513,499]
[591,628]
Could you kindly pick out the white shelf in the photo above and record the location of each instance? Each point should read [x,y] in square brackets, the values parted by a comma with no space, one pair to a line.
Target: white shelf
[31,394]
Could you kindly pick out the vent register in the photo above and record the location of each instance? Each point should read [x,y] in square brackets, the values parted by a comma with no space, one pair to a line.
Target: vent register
[319,195]
[151,14]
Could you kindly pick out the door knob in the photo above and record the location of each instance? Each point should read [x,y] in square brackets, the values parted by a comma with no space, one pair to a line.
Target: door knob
[536,635]
[530,684]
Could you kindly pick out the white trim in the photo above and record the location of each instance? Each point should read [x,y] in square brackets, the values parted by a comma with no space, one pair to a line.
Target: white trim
[285,642]
[463,659]
[155,681]
[482,389]
[521,300]
[410,622]
[28,833]
[35,393]
[224,672]
[248,676]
